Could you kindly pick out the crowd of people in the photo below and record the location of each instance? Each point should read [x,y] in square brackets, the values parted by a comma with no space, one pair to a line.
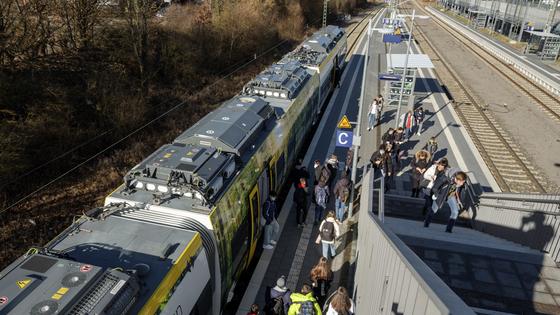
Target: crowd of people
[432,179]
[329,183]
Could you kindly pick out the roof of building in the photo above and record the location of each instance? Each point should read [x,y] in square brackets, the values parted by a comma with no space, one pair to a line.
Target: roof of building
[414,61]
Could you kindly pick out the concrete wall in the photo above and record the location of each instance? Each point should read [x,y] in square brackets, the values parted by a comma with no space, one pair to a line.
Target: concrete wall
[390,278]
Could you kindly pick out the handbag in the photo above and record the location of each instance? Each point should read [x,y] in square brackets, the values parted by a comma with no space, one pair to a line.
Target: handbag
[425,183]
[318,240]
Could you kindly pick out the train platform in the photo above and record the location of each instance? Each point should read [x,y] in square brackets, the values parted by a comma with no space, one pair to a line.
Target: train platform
[296,252]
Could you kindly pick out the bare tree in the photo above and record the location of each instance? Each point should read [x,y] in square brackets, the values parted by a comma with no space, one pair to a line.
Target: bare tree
[137,14]
[80,19]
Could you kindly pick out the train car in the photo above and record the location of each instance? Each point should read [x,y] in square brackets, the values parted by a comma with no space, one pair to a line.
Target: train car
[186,222]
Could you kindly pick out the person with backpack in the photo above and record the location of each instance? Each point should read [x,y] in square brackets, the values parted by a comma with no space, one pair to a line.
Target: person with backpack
[321,200]
[329,231]
[341,303]
[380,103]
[271,227]
[342,194]
[439,168]
[300,200]
[447,190]
[278,299]
[303,303]
[321,277]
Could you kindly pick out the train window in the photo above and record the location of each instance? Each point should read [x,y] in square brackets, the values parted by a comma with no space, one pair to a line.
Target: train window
[272,170]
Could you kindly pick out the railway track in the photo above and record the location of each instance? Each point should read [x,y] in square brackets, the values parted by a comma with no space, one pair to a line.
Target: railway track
[547,101]
[508,164]
[357,30]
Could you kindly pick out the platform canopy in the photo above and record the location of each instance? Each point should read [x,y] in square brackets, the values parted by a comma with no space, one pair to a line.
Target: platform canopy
[421,61]
[543,34]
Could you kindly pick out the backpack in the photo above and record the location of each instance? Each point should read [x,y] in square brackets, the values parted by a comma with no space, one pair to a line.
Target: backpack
[325,175]
[275,306]
[322,196]
[306,308]
[327,231]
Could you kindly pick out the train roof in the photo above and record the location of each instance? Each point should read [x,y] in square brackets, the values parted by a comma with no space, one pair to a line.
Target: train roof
[315,49]
[282,80]
[229,127]
[100,265]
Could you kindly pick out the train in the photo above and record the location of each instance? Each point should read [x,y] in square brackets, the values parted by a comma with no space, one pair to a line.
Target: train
[177,234]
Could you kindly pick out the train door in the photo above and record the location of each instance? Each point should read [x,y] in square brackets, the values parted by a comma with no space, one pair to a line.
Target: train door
[255,208]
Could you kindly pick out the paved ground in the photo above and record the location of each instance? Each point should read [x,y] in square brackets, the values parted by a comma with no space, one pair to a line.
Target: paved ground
[514,111]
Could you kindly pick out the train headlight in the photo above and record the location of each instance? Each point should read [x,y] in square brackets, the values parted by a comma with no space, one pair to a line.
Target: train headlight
[139,185]
[283,95]
[276,94]
[268,93]
[150,187]
[162,189]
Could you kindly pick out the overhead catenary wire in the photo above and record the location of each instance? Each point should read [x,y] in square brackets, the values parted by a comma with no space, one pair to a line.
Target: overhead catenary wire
[135,131]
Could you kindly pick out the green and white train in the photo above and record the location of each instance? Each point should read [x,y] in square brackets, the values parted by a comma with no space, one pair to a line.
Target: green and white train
[176,236]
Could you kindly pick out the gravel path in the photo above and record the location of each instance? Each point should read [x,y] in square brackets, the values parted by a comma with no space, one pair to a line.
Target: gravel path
[537,134]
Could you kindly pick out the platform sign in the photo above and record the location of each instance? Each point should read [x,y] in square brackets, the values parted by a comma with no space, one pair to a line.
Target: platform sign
[344,138]
[389,77]
[344,123]
[394,22]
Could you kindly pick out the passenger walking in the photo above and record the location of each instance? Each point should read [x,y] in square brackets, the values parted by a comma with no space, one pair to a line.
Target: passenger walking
[419,116]
[271,228]
[254,310]
[381,161]
[372,114]
[300,200]
[317,171]
[408,122]
[419,164]
[437,169]
[321,278]
[321,200]
[432,146]
[342,193]
[341,303]
[304,302]
[388,136]
[446,190]
[329,231]
[278,298]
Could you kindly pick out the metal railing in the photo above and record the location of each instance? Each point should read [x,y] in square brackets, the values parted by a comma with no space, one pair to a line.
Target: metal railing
[528,219]
[390,278]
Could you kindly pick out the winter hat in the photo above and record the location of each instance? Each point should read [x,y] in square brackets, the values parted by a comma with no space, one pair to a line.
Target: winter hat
[281,284]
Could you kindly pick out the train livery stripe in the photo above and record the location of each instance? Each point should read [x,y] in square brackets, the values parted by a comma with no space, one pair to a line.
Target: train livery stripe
[160,294]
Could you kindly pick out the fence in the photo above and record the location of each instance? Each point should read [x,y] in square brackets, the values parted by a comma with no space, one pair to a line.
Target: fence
[390,278]
[528,219]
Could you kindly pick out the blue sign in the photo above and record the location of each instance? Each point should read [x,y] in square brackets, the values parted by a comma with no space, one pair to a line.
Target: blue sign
[394,22]
[389,77]
[390,38]
[344,138]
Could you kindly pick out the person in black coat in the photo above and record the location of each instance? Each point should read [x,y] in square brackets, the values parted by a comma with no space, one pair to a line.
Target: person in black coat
[450,191]
[300,171]
[419,164]
[300,199]
[317,171]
